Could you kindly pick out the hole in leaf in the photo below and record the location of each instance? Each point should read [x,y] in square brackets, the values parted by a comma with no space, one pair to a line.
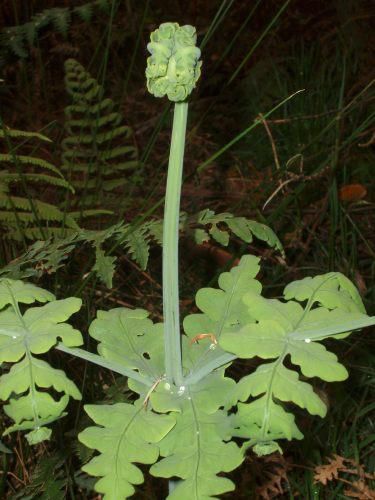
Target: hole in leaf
[146,355]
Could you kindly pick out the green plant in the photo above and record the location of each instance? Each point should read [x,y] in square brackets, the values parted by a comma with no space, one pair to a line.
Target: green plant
[49,255]
[22,336]
[26,216]
[18,40]
[186,409]
[97,149]
[313,143]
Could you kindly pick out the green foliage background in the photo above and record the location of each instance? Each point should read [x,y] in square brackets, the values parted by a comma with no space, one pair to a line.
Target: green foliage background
[92,242]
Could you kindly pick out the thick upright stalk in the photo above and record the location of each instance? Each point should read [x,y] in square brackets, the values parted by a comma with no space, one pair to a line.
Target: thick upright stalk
[171,306]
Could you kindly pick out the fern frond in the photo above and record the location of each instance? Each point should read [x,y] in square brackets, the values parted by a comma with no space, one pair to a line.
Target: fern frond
[155,228]
[41,19]
[29,160]
[123,131]
[104,5]
[138,246]
[7,178]
[97,147]
[34,233]
[104,266]
[127,165]
[90,213]
[49,254]
[48,480]
[61,18]
[113,184]
[10,202]
[89,108]
[45,211]
[116,152]
[216,226]
[112,119]
[30,32]
[16,134]
[13,217]
[15,40]
[20,214]
[85,12]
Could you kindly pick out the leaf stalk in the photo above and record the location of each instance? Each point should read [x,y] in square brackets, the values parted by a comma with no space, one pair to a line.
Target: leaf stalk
[171,307]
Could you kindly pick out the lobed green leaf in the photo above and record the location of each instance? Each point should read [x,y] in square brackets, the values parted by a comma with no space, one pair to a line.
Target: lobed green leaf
[17,379]
[21,336]
[131,339]
[331,290]
[196,450]
[282,330]
[286,386]
[127,434]
[25,293]
[222,311]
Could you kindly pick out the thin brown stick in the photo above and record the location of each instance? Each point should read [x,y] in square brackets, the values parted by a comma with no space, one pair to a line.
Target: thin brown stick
[272,141]
[9,473]
[21,460]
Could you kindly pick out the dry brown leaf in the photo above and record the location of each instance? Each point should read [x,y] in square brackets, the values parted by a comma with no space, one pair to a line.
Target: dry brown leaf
[361,491]
[277,478]
[338,464]
[360,282]
[352,192]
[325,473]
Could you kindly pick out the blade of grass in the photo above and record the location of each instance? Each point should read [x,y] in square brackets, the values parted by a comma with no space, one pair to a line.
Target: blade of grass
[135,50]
[257,43]
[238,137]
[233,41]
[215,23]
